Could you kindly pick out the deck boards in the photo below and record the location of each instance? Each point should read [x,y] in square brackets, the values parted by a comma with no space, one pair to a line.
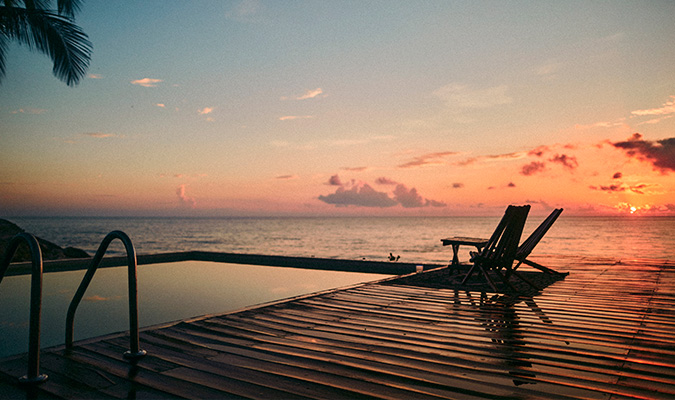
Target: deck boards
[607,331]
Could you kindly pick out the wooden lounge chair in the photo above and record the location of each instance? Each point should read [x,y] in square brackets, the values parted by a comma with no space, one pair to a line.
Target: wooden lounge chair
[500,251]
[531,242]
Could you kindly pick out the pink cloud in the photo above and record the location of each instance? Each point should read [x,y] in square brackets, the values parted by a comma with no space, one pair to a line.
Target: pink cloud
[184,200]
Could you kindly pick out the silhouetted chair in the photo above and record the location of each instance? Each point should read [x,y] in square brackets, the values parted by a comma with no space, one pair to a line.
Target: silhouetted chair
[529,244]
[500,251]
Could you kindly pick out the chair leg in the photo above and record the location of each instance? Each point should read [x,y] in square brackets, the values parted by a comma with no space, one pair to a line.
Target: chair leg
[468,274]
[487,277]
[505,280]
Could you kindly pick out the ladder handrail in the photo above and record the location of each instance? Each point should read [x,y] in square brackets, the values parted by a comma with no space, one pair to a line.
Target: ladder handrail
[134,348]
[33,375]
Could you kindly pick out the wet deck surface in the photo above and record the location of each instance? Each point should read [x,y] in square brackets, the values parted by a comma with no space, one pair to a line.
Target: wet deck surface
[607,331]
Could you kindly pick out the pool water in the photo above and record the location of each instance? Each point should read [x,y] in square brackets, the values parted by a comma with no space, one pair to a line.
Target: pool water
[166,292]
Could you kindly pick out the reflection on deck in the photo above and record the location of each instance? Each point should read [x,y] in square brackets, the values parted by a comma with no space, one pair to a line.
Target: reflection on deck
[606,331]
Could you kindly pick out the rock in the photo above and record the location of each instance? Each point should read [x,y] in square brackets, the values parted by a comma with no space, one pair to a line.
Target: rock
[74,252]
[50,251]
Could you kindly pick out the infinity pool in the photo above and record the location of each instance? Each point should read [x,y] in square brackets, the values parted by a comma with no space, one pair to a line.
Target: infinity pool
[166,292]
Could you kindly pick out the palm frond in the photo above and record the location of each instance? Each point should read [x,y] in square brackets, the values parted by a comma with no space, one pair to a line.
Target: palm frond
[68,8]
[52,34]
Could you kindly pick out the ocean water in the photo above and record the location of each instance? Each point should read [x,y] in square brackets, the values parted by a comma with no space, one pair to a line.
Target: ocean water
[169,292]
[414,239]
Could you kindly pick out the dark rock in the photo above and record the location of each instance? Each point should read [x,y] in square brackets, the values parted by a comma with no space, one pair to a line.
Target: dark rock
[50,251]
[74,252]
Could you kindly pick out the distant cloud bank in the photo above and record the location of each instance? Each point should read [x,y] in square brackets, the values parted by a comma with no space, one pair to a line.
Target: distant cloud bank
[364,195]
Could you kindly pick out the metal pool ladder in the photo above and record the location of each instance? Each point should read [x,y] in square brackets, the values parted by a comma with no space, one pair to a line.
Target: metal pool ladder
[33,376]
[134,352]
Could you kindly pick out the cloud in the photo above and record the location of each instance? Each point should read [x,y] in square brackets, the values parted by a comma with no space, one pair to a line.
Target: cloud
[95,76]
[494,157]
[160,105]
[363,195]
[661,154]
[617,175]
[667,108]
[334,181]
[100,135]
[184,200]
[205,111]
[538,151]
[409,198]
[461,97]
[33,111]
[640,188]
[385,181]
[292,117]
[310,94]
[532,168]
[287,177]
[569,162]
[355,169]
[457,185]
[427,159]
[511,185]
[146,82]
[548,69]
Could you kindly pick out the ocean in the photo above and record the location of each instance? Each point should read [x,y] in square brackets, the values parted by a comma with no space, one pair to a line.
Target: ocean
[174,291]
[414,239]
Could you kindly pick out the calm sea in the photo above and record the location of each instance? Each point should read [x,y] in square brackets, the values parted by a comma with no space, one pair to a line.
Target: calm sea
[169,292]
[414,239]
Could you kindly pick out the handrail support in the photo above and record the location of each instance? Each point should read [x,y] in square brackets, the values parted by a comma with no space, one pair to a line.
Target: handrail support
[33,376]
[134,352]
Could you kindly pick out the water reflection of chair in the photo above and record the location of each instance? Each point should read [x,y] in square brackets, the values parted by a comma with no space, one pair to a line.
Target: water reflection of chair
[500,251]
[499,318]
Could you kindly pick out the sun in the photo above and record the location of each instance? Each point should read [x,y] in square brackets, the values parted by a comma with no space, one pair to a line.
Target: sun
[633,209]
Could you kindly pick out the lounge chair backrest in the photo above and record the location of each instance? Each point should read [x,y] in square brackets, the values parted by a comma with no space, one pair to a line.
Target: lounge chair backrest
[531,242]
[500,251]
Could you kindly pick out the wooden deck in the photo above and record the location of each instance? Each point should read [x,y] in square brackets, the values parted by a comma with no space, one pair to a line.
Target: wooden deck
[607,331]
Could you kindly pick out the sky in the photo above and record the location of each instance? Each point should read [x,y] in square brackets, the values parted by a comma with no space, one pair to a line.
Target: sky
[329,108]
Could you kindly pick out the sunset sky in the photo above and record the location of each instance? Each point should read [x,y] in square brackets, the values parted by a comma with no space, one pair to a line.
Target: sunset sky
[248,108]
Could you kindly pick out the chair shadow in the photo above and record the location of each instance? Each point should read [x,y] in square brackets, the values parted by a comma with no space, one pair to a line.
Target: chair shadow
[451,278]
